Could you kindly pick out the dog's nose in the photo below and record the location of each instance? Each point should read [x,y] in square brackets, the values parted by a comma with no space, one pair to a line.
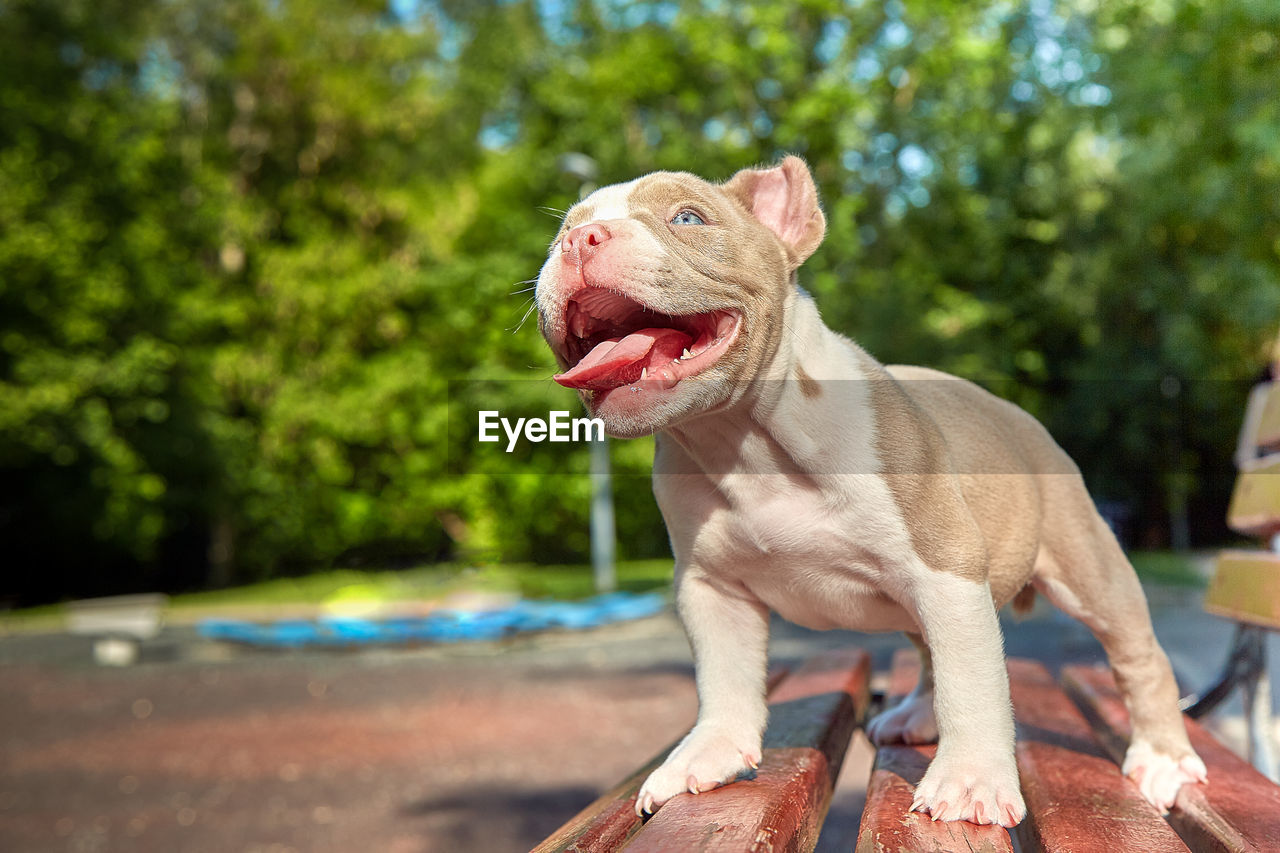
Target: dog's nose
[585,240]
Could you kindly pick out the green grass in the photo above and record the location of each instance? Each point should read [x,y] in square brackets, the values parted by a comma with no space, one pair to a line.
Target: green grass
[566,582]
[526,579]
[575,581]
[1171,568]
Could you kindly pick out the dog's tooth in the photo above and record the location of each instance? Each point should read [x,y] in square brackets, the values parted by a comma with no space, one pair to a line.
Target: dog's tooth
[644,373]
[686,353]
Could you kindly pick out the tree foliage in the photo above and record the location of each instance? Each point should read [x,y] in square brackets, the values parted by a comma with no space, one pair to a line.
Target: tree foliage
[254,256]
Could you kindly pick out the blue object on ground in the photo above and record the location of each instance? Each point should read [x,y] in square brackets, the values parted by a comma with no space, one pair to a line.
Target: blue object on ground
[295,632]
[232,630]
[349,630]
[442,626]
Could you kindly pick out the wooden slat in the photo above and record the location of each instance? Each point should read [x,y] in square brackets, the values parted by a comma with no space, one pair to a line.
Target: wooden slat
[1237,811]
[813,714]
[1268,437]
[1255,502]
[781,808]
[1267,433]
[888,824]
[607,823]
[610,821]
[1246,588]
[1076,798]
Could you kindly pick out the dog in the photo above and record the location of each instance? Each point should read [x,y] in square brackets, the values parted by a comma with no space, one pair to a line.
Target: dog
[796,474]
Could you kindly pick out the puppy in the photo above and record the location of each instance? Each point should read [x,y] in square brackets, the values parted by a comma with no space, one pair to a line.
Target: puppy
[797,474]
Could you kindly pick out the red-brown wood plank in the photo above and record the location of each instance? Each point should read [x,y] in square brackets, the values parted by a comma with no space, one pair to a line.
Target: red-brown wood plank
[607,823]
[1255,502]
[611,819]
[812,716]
[1238,810]
[1076,798]
[1246,588]
[781,808]
[888,824]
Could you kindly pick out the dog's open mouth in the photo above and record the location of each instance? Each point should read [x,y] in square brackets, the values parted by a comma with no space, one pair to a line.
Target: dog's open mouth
[613,341]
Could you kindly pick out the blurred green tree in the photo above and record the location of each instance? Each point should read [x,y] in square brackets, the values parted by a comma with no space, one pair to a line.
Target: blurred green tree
[103,237]
[257,258]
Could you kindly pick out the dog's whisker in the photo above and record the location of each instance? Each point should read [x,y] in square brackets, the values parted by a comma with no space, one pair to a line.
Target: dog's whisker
[791,331]
[533,304]
[532,282]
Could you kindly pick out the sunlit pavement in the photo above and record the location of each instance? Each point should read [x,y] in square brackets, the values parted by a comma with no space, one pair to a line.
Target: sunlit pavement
[484,747]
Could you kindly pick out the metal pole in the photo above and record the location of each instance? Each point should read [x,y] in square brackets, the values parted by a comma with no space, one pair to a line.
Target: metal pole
[1257,715]
[602,528]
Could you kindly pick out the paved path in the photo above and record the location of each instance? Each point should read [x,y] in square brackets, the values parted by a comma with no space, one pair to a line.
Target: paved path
[486,747]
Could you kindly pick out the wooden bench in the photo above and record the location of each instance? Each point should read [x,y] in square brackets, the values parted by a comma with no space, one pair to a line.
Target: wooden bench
[1245,589]
[117,624]
[1246,584]
[1071,736]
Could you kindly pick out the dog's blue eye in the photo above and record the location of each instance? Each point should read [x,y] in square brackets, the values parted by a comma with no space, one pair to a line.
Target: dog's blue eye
[687,217]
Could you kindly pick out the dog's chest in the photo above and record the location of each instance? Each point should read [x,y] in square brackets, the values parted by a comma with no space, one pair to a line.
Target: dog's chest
[780,519]
[818,559]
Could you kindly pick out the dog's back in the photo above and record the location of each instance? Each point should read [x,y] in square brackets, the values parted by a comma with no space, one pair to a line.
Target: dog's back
[992,445]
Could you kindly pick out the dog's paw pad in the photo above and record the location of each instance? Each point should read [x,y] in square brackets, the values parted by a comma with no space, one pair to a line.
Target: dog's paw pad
[703,760]
[1159,776]
[982,795]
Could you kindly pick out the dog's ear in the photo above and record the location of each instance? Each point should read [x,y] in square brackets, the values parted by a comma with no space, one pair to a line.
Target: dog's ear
[785,200]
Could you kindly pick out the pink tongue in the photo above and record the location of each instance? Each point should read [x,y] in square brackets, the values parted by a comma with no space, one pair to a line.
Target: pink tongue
[619,362]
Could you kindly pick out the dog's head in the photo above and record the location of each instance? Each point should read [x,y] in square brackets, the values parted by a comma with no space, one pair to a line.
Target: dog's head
[664,295]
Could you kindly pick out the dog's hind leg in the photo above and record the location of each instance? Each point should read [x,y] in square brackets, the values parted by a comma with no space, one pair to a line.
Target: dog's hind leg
[1082,569]
[911,720]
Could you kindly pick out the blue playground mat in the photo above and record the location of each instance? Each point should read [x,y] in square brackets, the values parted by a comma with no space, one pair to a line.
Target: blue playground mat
[441,626]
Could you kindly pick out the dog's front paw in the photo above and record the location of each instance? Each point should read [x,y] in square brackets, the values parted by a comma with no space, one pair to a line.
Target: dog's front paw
[910,721]
[1159,776]
[976,791]
[707,757]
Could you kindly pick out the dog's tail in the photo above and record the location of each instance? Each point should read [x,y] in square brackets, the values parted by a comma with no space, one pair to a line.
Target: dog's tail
[1024,601]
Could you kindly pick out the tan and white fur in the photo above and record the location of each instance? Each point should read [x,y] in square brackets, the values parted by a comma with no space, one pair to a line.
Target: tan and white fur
[796,474]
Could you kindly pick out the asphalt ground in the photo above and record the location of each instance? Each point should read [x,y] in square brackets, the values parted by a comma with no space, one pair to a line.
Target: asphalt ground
[478,747]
